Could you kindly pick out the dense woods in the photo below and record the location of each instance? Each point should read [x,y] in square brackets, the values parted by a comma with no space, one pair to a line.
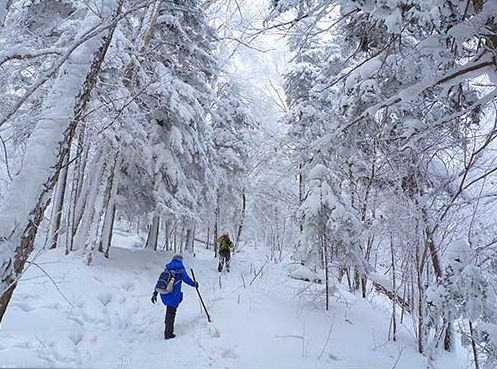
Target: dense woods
[373,163]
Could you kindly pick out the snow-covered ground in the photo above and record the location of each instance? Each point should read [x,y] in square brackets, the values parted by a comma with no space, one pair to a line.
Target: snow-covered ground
[101,316]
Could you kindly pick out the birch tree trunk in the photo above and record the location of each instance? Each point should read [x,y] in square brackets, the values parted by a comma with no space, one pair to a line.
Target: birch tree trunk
[96,211]
[110,214]
[24,206]
[94,180]
[58,204]
[83,189]
[76,182]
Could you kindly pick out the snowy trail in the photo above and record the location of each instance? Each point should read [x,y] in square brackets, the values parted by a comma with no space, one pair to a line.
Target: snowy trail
[272,323]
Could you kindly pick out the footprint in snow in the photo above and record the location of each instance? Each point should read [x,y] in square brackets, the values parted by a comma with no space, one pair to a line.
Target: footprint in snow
[229,354]
[76,338]
[214,332]
[333,357]
[105,298]
[53,305]
[128,286]
[23,306]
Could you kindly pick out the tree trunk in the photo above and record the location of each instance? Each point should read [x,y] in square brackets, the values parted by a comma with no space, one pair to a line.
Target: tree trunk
[301,200]
[95,177]
[216,222]
[18,231]
[83,188]
[208,237]
[153,233]
[175,239]
[182,238]
[437,268]
[473,345]
[193,239]
[76,181]
[166,234]
[242,217]
[394,288]
[420,303]
[326,274]
[188,238]
[93,215]
[59,203]
[110,214]
[111,226]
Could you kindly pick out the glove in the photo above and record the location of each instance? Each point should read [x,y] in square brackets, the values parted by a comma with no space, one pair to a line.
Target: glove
[195,285]
[154,297]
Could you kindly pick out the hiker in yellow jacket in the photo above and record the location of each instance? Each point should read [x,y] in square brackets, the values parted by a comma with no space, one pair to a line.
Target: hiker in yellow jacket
[225,247]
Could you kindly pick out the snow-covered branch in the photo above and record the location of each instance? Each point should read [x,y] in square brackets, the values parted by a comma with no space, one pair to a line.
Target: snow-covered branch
[22,53]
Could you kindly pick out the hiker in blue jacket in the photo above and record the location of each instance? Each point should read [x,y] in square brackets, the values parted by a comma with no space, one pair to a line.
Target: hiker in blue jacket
[174,298]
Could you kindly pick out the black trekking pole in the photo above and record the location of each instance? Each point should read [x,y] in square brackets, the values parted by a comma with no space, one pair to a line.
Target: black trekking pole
[201,300]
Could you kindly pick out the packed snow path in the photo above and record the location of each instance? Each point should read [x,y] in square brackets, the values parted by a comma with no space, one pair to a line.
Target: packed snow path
[276,322]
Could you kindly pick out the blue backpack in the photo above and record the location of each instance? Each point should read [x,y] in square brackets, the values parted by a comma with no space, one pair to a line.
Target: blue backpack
[165,283]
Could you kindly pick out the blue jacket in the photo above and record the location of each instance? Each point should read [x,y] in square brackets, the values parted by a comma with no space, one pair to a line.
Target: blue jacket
[174,298]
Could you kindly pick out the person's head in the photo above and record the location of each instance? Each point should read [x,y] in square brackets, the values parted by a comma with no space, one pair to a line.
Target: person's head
[226,235]
[178,256]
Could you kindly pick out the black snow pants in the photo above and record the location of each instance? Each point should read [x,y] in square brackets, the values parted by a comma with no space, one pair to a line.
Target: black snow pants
[169,322]
[224,260]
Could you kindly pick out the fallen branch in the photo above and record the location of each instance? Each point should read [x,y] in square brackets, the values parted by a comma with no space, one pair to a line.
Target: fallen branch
[259,272]
[392,296]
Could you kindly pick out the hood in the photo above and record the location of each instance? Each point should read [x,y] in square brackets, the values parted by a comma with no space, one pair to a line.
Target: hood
[175,264]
